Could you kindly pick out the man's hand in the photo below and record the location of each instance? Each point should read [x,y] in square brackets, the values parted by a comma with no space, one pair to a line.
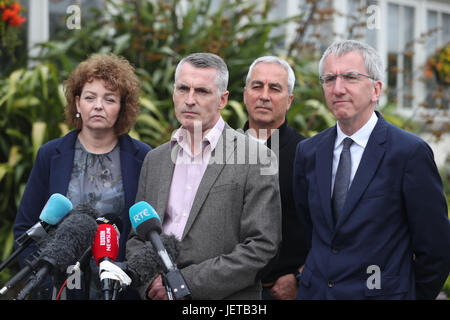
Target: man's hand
[157,291]
[285,288]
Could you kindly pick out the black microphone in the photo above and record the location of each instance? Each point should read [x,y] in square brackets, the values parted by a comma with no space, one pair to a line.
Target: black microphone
[57,202]
[55,209]
[144,264]
[147,224]
[69,241]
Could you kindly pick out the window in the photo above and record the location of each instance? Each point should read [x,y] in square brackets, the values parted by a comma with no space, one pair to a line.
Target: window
[438,35]
[445,28]
[432,31]
[392,60]
[400,55]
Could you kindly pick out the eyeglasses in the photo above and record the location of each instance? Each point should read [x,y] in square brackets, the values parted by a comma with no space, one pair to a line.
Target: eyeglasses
[348,77]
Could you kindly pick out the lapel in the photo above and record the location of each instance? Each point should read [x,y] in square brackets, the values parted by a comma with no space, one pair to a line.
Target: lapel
[62,162]
[370,161]
[129,167]
[165,173]
[212,172]
[324,164]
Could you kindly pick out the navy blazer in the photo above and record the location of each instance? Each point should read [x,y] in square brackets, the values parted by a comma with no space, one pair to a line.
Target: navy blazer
[52,171]
[393,232]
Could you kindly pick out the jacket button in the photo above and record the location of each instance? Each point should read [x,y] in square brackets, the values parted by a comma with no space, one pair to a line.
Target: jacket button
[334,250]
[330,284]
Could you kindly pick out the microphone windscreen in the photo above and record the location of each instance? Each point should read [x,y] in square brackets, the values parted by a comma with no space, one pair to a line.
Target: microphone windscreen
[145,264]
[55,209]
[144,219]
[84,208]
[69,241]
[106,243]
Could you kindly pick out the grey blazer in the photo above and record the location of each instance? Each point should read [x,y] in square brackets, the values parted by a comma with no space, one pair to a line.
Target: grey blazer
[234,227]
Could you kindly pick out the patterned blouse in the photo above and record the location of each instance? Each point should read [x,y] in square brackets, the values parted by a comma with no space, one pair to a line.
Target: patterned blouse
[97,180]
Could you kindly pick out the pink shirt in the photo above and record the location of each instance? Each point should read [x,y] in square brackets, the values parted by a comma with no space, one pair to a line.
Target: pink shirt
[187,175]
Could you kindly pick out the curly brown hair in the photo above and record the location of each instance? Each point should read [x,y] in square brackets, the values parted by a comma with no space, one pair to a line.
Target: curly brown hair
[118,74]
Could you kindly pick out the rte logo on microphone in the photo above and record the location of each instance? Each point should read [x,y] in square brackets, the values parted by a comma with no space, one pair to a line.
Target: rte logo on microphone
[141,216]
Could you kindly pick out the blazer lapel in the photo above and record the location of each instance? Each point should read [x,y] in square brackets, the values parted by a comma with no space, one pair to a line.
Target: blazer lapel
[165,173]
[129,167]
[63,162]
[371,158]
[212,172]
[60,182]
[324,164]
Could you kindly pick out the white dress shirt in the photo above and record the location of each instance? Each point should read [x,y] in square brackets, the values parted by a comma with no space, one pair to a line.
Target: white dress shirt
[360,139]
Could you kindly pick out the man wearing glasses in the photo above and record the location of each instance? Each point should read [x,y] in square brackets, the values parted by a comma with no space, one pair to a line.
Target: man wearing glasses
[369,194]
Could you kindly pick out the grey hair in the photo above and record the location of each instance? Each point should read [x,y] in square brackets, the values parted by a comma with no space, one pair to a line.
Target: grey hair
[208,60]
[283,63]
[372,59]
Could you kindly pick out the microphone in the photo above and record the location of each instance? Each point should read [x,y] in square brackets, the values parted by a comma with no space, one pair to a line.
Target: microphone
[147,224]
[85,208]
[105,249]
[144,264]
[58,199]
[106,240]
[55,209]
[68,242]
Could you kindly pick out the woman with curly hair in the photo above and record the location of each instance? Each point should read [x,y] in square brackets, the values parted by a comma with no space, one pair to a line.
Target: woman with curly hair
[98,163]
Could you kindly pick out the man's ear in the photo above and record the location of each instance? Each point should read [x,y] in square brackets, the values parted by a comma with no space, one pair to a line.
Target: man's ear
[377,90]
[223,100]
[290,99]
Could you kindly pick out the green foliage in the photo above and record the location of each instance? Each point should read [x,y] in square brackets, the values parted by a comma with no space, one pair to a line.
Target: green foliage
[155,35]
[31,107]
[446,288]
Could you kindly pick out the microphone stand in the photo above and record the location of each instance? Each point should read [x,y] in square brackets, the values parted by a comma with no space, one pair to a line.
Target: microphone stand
[31,263]
[12,256]
[34,282]
[115,290]
[87,282]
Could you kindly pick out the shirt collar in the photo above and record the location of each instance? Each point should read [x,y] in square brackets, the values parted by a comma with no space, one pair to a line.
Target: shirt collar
[181,136]
[282,130]
[360,137]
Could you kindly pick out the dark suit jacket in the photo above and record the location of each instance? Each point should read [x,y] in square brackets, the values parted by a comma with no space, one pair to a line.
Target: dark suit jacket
[394,218]
[52,171]
[233,228]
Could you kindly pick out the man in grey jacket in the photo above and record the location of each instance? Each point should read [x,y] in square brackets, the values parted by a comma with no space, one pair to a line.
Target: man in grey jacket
[214,189]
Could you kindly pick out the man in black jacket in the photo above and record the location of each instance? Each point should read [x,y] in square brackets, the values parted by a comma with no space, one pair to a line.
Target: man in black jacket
[268,94]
